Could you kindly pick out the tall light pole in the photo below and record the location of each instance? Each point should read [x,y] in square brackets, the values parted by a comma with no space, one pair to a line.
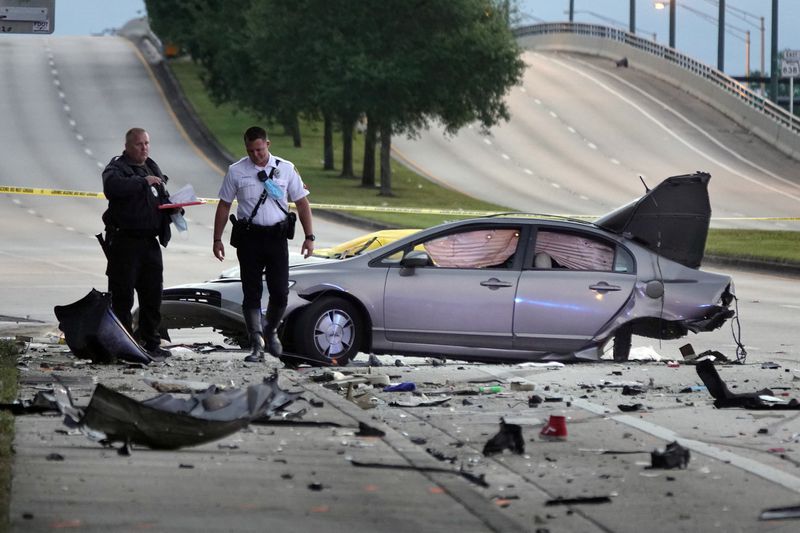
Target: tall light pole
[773,85]
[661,5]
[672,23]
[721,37]
[632,17]
[571,10]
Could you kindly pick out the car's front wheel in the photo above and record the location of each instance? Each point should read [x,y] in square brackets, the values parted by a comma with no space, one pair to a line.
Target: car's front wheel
[330,329]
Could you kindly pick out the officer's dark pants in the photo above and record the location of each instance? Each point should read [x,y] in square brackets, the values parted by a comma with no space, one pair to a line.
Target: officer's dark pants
[134,263]
[264,252]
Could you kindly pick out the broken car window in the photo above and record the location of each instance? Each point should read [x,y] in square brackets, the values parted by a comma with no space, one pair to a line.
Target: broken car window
[474,249]
[571,251]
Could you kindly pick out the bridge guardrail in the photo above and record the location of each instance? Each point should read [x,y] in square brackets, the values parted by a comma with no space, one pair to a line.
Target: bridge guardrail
[722,81]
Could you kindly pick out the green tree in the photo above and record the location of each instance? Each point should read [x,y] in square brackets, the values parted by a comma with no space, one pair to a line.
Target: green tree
[400,63]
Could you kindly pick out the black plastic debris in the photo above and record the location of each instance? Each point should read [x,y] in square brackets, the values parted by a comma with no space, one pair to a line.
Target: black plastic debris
[509,437]
[316,486]
[673,456]
[780,513]
[442,456]
[629,408]
[42,402]
[93,331]
[770,365]
[365,430]
[578,500]
[763,399]
[166,422]
[633,390]
[473,478]
[55,457]
[535,400]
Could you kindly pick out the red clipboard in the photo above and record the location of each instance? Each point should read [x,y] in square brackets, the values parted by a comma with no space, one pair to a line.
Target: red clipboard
[184,204]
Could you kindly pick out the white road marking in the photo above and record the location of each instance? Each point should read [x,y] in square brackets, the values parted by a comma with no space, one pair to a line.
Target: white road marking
[537,101]
[553,114]
[88,152]
[505,156]
[487,141]
[592,145]
[31,212]
[749,465]
[790,306]
[769,473]
[527,171]
[615,161]
[556,185]
[571,129]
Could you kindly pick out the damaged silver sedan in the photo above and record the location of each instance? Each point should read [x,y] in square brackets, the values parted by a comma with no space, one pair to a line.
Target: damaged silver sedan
[517,287]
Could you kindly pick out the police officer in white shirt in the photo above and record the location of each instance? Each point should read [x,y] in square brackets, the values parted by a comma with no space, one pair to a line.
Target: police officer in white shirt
[262,249]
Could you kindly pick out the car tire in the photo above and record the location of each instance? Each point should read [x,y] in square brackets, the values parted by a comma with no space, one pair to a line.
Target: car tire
[622,344]
[330,329]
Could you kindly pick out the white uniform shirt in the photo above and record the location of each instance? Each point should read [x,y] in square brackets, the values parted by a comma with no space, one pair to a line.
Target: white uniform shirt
[241,183]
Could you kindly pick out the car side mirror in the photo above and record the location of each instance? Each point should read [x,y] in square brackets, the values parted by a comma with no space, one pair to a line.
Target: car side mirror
[413,259]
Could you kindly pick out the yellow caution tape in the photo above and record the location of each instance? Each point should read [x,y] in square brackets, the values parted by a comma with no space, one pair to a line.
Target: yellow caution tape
[51,192]
[364,208]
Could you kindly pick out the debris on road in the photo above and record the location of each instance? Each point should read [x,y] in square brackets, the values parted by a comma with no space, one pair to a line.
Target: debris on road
[473,478]
[424,401]
[93,331]
[780,513]
[580,499]
[509,437]
[673,456]
[166,422]
[555,429]
[763,399]
[405,386]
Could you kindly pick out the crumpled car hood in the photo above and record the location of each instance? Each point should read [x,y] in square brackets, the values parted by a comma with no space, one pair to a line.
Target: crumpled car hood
[671,220]
[167,423]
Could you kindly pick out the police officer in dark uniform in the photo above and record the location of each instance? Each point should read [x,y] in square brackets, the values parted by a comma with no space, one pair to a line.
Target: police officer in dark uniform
[263,249]
[135,187]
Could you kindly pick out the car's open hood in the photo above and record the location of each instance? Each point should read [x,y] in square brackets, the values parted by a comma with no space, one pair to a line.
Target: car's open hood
[671,219]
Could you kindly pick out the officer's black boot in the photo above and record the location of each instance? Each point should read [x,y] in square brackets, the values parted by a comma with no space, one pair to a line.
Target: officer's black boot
[252,318]
[273,343]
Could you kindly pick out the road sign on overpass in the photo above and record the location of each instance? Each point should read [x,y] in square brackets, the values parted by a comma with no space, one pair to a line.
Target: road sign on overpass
[27,16]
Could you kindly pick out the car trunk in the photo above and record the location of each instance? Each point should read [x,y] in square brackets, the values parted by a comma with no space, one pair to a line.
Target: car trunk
[671,219]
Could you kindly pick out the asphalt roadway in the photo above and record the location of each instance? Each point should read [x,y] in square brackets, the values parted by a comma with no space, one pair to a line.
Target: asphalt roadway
[301,475]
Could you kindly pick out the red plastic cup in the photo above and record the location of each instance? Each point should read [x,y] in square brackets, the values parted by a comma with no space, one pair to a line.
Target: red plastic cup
[555,429]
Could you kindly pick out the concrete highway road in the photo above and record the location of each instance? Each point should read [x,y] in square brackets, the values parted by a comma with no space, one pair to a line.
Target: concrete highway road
[65,104]
[581,133]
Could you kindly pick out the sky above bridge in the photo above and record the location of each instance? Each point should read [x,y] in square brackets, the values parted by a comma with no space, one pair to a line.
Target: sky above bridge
[695,25]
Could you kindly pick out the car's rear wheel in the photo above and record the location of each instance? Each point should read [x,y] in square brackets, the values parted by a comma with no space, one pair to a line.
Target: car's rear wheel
[622,343]
[330,329]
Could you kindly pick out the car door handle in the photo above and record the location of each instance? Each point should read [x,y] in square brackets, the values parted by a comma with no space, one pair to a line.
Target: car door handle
[494,284]
[603,286]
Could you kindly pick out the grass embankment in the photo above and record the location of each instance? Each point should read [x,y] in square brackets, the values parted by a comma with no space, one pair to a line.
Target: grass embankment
[773,246]
[8,393]
[411,189]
